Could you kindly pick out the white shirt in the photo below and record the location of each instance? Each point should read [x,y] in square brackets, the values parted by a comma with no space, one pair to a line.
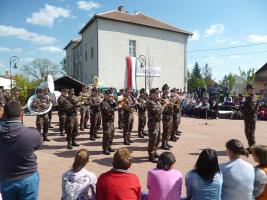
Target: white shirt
[79,186]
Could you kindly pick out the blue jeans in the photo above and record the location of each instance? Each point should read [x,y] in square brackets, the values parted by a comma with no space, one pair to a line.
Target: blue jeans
[24,189]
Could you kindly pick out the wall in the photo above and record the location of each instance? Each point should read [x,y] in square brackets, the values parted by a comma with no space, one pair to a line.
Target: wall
[89,39]
[165,49]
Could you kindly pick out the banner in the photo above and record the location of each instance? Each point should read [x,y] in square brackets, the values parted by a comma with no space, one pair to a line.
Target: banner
[150,71]
[131,72]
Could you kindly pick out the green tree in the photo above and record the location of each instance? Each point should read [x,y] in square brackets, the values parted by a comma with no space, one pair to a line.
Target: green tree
[229,80]
[196,71]
[25,85]
[249,75]
[194,82]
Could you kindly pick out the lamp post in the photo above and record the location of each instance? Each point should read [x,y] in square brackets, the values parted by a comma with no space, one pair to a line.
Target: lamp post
[12,61]
[142,60]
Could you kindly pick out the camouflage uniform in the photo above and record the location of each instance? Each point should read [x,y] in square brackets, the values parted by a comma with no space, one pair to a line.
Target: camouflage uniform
[71,105]
[42,121]
[84,110]
[120,113]
[167,123]
[95,116]
[107,111]
[128,119]
[176,119]
[141,116]
[61,114]
[154,111]
[248,110]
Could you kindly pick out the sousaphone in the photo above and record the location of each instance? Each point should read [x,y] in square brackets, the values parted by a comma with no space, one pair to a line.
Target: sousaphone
[53,96]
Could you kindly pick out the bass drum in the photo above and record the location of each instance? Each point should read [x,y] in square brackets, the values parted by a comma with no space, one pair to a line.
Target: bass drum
[29,105]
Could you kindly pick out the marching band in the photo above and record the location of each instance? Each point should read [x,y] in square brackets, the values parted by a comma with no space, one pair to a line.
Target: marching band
[153,109]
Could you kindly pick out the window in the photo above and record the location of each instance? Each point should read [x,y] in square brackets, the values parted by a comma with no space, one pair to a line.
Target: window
[92,52]
[132,48]
[85,55]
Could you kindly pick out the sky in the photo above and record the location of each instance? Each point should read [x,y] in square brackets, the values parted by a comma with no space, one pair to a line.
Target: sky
[33,29]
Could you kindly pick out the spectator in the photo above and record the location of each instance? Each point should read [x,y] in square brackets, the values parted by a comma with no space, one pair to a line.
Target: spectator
[78,183]
[260,185]
[2,121]
[238,175]
[164,182]
[18,168]
[213,113]
[205,181]
[118,183]
[202,109]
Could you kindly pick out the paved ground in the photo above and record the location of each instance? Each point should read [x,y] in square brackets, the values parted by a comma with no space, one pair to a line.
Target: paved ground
[54,158]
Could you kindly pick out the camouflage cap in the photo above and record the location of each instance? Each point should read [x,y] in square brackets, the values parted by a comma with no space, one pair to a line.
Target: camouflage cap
[154,90]
[64,90]
[39,90]
[142,90]
[165,87]
[72,91]
[249,86]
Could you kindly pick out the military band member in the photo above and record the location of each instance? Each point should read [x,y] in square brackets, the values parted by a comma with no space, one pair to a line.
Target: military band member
[249,109]
[14,96]
[2,97]
[95,114]
[166,118]
[128,118]
[154,111]
[120,111]
[61,111]
[46,91]
[71,105]
[41,103]
[84,109]
[175,115]
[142,99]
[108,107]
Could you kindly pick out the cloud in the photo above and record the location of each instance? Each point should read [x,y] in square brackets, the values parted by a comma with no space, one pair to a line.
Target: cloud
[226,41]
[27,59]
[51,49]
[196,36]
[84,5]
[214,29]
[234,56]
[9,50]
[23,34]
[2,65]
[257,38]
[47,15]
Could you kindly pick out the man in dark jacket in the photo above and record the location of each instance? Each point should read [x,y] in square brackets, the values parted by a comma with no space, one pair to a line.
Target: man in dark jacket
[18,167]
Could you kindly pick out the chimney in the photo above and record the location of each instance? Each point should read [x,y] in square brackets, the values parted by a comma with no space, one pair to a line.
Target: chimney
[7,74]
[121,9]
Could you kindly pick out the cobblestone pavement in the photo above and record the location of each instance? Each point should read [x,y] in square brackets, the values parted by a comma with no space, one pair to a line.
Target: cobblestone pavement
[54,158]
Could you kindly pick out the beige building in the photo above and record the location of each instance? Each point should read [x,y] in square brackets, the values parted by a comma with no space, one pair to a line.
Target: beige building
[261,78]
[108,38]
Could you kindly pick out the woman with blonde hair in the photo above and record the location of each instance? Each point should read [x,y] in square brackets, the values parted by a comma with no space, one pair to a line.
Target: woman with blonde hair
[259,153]
[78,183]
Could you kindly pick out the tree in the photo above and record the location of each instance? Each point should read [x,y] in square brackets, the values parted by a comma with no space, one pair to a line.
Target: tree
[229,80]
[24,85]
[194,82]
[207,75]
[196,71]
[249,76]
[63,64]
[39,69]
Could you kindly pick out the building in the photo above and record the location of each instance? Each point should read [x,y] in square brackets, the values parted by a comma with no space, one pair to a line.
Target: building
[261,78]
[109,39]
[5,82]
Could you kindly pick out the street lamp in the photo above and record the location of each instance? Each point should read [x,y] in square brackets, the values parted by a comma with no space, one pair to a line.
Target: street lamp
[142,60]
[12,61]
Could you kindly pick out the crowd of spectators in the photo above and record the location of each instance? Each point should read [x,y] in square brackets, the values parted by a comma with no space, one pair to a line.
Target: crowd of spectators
[235,179]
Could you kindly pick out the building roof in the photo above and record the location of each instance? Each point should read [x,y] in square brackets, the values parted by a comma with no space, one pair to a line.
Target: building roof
[76,41]
[137,19]
[263,68]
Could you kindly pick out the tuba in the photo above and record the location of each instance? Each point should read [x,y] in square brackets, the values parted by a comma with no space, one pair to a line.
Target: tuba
[53,96]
